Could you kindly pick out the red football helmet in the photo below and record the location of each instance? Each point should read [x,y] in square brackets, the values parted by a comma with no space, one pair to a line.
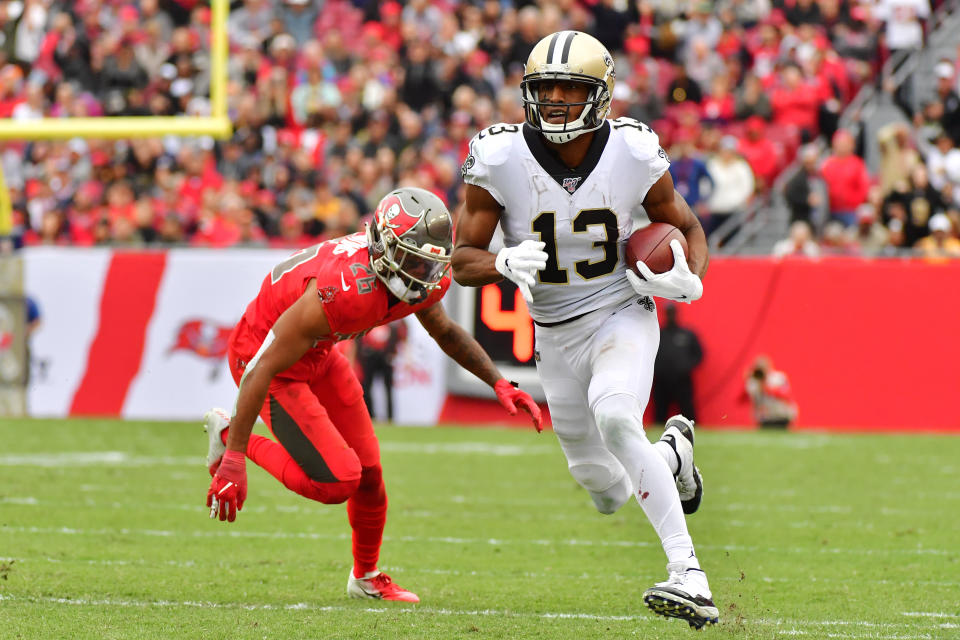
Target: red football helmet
[410,240]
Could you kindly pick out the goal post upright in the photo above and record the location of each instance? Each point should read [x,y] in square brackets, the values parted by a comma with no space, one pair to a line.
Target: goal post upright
[216,125]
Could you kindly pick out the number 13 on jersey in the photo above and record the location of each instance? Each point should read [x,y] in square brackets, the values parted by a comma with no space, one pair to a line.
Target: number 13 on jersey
[545,225]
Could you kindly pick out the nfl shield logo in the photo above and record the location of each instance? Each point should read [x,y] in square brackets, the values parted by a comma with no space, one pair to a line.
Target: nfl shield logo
[570,184]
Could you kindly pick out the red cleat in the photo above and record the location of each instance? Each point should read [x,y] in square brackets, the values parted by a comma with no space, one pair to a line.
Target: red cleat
[378,587]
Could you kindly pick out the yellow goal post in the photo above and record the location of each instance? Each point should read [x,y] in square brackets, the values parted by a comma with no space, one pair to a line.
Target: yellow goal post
[216,125]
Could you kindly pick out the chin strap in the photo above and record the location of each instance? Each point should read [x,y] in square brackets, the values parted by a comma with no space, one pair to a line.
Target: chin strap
[403,291]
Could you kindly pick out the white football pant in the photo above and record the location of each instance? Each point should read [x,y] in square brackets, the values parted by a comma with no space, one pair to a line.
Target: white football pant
[597,372]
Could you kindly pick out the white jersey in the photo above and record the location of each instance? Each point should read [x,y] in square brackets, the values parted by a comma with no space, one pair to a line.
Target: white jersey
[583,215]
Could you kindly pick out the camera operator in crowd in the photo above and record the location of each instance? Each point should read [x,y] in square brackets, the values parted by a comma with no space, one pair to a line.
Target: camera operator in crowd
[769,392]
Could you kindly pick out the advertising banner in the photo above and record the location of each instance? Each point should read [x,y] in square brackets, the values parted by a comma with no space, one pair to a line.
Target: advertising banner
[143,334]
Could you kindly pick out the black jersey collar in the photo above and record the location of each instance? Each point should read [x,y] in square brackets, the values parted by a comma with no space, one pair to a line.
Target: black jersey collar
[569,179]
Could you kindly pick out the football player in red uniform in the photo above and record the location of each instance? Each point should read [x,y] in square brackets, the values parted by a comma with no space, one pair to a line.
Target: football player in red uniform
[282,357]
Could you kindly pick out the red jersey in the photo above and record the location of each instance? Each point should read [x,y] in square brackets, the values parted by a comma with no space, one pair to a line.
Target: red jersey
[354,299]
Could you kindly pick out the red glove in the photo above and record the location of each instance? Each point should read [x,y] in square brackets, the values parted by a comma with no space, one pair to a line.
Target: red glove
[229,487]
[510,397]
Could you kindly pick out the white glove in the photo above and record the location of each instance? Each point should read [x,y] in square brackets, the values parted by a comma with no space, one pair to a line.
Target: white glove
[519,264]
[678,284]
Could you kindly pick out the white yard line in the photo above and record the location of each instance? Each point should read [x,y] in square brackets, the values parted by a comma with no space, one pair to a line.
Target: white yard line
[632,577]
[304,606]
[21,500]
[305,507]
[871,629]
[314,510]
[769,441]
[241,533]
[95,459]
[876,636]
[792,508]
[484,448]
[125,459]
[111,563]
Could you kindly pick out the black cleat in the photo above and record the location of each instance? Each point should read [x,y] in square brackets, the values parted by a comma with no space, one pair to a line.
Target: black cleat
[685,595]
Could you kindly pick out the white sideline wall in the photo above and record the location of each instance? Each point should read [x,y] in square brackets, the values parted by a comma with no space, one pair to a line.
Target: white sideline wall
[196,296]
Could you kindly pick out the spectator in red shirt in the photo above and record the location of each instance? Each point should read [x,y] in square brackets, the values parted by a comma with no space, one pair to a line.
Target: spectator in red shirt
[215,230]
[765,50]
[11,89]
[51,231]
[291,233]
[83,212]
[794,104]
[717,106]
[120,199]
[760,152]
[847,178]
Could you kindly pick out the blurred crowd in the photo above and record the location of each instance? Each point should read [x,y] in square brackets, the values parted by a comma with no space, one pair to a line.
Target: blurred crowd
[910,205]
[334,102]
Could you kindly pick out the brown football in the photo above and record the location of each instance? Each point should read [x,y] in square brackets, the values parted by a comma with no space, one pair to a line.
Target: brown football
[651,244]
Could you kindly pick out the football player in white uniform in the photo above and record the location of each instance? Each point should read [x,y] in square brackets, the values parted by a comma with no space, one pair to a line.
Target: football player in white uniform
[564,188]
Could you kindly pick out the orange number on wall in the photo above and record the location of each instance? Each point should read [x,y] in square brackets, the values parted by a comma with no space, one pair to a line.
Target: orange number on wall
[518,320]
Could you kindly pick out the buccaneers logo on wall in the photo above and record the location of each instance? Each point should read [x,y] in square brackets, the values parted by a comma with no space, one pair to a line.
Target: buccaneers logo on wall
[204,338]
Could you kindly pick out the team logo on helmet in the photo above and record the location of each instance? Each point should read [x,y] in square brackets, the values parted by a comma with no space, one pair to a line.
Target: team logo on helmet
[395,217]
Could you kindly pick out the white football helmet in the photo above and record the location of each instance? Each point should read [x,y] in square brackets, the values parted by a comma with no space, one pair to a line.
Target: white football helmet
[572,56]
[410,241]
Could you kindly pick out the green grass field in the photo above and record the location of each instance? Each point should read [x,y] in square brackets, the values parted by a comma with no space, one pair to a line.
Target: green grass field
[103,534]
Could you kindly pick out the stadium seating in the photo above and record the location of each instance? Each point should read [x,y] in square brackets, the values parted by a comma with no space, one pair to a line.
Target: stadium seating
[334,104]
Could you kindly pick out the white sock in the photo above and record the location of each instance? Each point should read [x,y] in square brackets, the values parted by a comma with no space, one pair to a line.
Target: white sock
[367,575]
[653,482]
[679,548]
[669,455]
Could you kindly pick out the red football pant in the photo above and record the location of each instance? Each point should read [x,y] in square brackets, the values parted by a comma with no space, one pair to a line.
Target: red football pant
[326,449]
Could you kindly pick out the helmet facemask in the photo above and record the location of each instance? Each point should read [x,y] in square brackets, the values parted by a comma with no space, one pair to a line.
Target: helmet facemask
[594,106]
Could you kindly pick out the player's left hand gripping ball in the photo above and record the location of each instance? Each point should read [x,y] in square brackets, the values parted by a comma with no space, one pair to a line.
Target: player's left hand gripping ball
[229,487]
[679,284]
[511,398]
